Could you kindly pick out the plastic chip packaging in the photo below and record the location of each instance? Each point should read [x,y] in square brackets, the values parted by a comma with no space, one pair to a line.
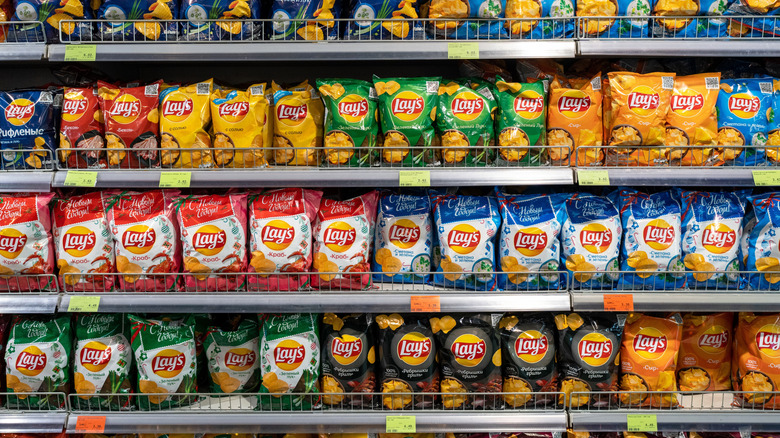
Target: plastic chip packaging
[28,122]
[464,119]
[763,254]
[574,121]
[521,122]
[155,20]
[460,11]
[693,118]
[242,119]
[704,362]
[603,27]
[694,27]
[298,125]
[744,114]
[756,360]
[351,126]
[305,20]
[25,242]
[348,359]
[184,115]
[233,355]
[81,127]
[225,11]
[559,22]
[394,20]
[50,13]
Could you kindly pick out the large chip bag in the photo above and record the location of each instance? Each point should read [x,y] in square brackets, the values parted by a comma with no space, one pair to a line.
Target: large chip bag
[401,10]
[407,110]
[651,240]
[529,241]
[102,360]
[520,123]
[540,29]
[712,229]
[145,239]
[757,359]
[464,119]
[528,344]
[574,121]
[119,27]
[165,361]
[38,360]
[704,362]
[222,10]
[289,361]
[461,10]
[307,20]
[466,227]
[590,240]
[28,122]
[298,125]
[213,240]
[763,254]
[694,27]
[343,233]
[744,114]
[281,223]
[693,118]
[85,248]
[403,239]
[50,13]
[242,120]
[81,127]
[614,28]
[648,359]
[351,126]
[234,357]
[184,115]
[348,359]
[25,242]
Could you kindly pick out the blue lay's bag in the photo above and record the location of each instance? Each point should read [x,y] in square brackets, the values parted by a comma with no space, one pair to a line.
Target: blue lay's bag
[540,29]
[28,121]
[651,240]
[305,19]
[50,13]
[466,227]
[119,11]
[744,113]
[460,11]
[697,26]
[763,251]
[395,20]
[754,26]
[748,223]
[403,239]
[601,27]
[590,240]
[712,229]
[197,10]
[530,230]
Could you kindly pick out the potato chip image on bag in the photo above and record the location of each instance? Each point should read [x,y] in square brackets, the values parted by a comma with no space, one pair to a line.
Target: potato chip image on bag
[704,362]
[348,359]
[763,254]
[351,125]
[756,353]
[297,125]
[234,357]
[25,232]
[693,118]
[81,127]
[464,120]
[520,124]
[225,11]
[694,27]
[528,345]
[50,13]
[160,28]
[744,112]
[460,11]
[574,121]
[242,119]
[184,116]
[773,129]
[28,120]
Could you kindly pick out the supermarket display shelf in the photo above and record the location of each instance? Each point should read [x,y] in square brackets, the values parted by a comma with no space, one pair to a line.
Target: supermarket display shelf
[678,176]
[28,303]
[750,47]
[23,51]
[25,181]
[32,422]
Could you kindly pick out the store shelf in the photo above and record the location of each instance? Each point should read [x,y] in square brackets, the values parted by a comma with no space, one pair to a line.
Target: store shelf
[679,47]
[678,176]
[24,181]
[28,303]
[32,422]
[683,301]
[22,51]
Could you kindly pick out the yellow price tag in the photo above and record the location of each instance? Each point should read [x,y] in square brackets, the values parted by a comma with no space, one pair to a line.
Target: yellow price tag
[463,51]
[80,178]
[593,177]
[401,424]
[175,179]
[81,52]
[642,423]
[83,304]
[766,177]
[414,178]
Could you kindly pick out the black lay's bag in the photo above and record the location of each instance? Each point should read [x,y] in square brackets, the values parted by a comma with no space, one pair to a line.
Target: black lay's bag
[348,358]
[528,346]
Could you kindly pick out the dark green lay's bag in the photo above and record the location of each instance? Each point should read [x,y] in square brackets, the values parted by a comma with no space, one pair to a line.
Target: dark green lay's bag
[350,122]
[521,122]
[38,360]
[234,357]
[465,118]
[407,110]
[102,360]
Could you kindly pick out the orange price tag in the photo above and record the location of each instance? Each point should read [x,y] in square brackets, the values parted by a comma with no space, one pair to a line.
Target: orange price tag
[425,303]
[90,424]
[619,302]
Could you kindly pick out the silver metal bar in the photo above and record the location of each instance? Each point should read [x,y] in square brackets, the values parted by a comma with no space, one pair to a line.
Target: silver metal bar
[28,303]
[675,421]
[679,176]
[32,422]
[13,181]
[683,301]
[669,47]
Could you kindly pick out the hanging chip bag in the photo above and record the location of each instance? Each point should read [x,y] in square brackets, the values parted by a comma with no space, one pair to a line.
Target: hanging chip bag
[520,124]
[298,125]
[184,115]
[81,127]
[464,119]
[704,362]
[460,10]
[540,29]
[25,243]
[694,27]
[234,357]
[28,122]
[242,120]
[603,27]
[744,114]
[351,126]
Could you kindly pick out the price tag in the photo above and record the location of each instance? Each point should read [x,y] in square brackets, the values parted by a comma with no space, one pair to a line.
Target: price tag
[80,178]
[593,177]
[81,52]
[766,177]
[619,302]
[83,304]
[401,424]
[175,179]
[463,51]
[642,423]
[90,424]
[414,178]
[426,303]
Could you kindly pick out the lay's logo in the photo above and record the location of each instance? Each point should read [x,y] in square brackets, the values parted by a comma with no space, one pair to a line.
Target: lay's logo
[596,238]
[31,361]
[573,104]
[650,343]
[595,349]
[469,350]
[744,106]
[12,242]
[139,239]
[209,240]
[95,356]
[463,238]
[240,359]
[643,100]
[414,348]
[531,346]
[687,104]
[658,234]
[768,340]
[78,241]
[467,106]
[289,355]
[718,238]
[714,340]
[233,112]
[353,108]
[292,114]
[407,106]
[19,111]
[168,363]
[125,109]
[277,235]
[177,110]
[74,107]
[530,241]
[339,236]
[529,104]
[404,233]
[346,349]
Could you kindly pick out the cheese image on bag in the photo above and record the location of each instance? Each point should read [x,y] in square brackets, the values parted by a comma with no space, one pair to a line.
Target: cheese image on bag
[25,242]
[744,113]
[234,357]
[693,118]
[184,115]
[763,254]
[102,360]
[574,120]
[464,117]
[351,125]
[704,362]
[756,359]
[520,122]
[297,125]
[242,119]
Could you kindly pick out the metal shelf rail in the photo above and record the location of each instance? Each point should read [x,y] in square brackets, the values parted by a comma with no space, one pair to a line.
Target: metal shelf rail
[48,417]
[22,41]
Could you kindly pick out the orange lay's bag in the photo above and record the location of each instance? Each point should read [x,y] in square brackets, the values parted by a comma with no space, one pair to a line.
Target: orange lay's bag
[757,359]
[693,119]
[297,125]
[574,118]
[242,120]
[648,359]
[704,362]
[184,116]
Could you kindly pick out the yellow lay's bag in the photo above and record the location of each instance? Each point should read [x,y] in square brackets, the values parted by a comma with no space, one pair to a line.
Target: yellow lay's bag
[242,120]
[574,121]
[297,125]
[693,119]
[184,116]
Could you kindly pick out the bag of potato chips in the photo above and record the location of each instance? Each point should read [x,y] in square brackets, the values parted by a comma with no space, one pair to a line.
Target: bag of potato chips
[126,30]
[753,26]
[773,128]
[756,359]
[694,27]
[693,118]
[744,112]
[305,20]
[184,116]
[763,253]
[459,10]
[297,125]
[81,127]
[602,27]
[242,119]
[407,109]
[704,362]
[28,120]
[528,347]
[50,13]
[348,359]
[404,11]
[464,120]
[648,359]
[234,357]
[351,126]
[520,123]
[541,29]
[225,11]
[574,120]
[25,242]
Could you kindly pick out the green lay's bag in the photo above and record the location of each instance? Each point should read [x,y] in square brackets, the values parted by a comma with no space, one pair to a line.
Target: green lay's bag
[465,118]
[234,357]
[521,115]
[102,361]
[407,109]
[350,122]
[38,360]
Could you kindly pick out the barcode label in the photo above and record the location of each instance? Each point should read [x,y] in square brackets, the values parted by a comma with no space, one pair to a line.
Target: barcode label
[485,92]
[132,84]
[765,87]
[667,82]
[546,85]
[257,90]
[595,83]
[315,94]
[58,98]
[202,89]
[712,83]
[432,86]
[372,93]
[45,97]
[152,90]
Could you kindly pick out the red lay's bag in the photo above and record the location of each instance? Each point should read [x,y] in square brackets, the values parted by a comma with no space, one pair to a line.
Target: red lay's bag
[280,224]
[81,127]
[25,242]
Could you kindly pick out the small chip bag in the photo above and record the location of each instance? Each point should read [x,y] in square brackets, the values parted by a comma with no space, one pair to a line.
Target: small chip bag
[693,118]
[81,127]
[460,10]
[289,361]
[145,239]
[763,253]
[305,20]
[651,240]
[704,362]
[528,343]
[529,241]
[225,11]
[466,228]
[648,359]
[744,113]
[25,242]
[233,356]
[756,363]
[401,11]
[603,27]
[591,240]
[712,229]
[102,361]
[348,359]
[280,239]
[184,115]
[541,29]
[464,119]
[242,120]
[213,240]
[403,239]
[407,110]
[27,121]
[574,121]
[84,243]
[342,242]
[160,28]
[351,126]
[520,122]
[298,125]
